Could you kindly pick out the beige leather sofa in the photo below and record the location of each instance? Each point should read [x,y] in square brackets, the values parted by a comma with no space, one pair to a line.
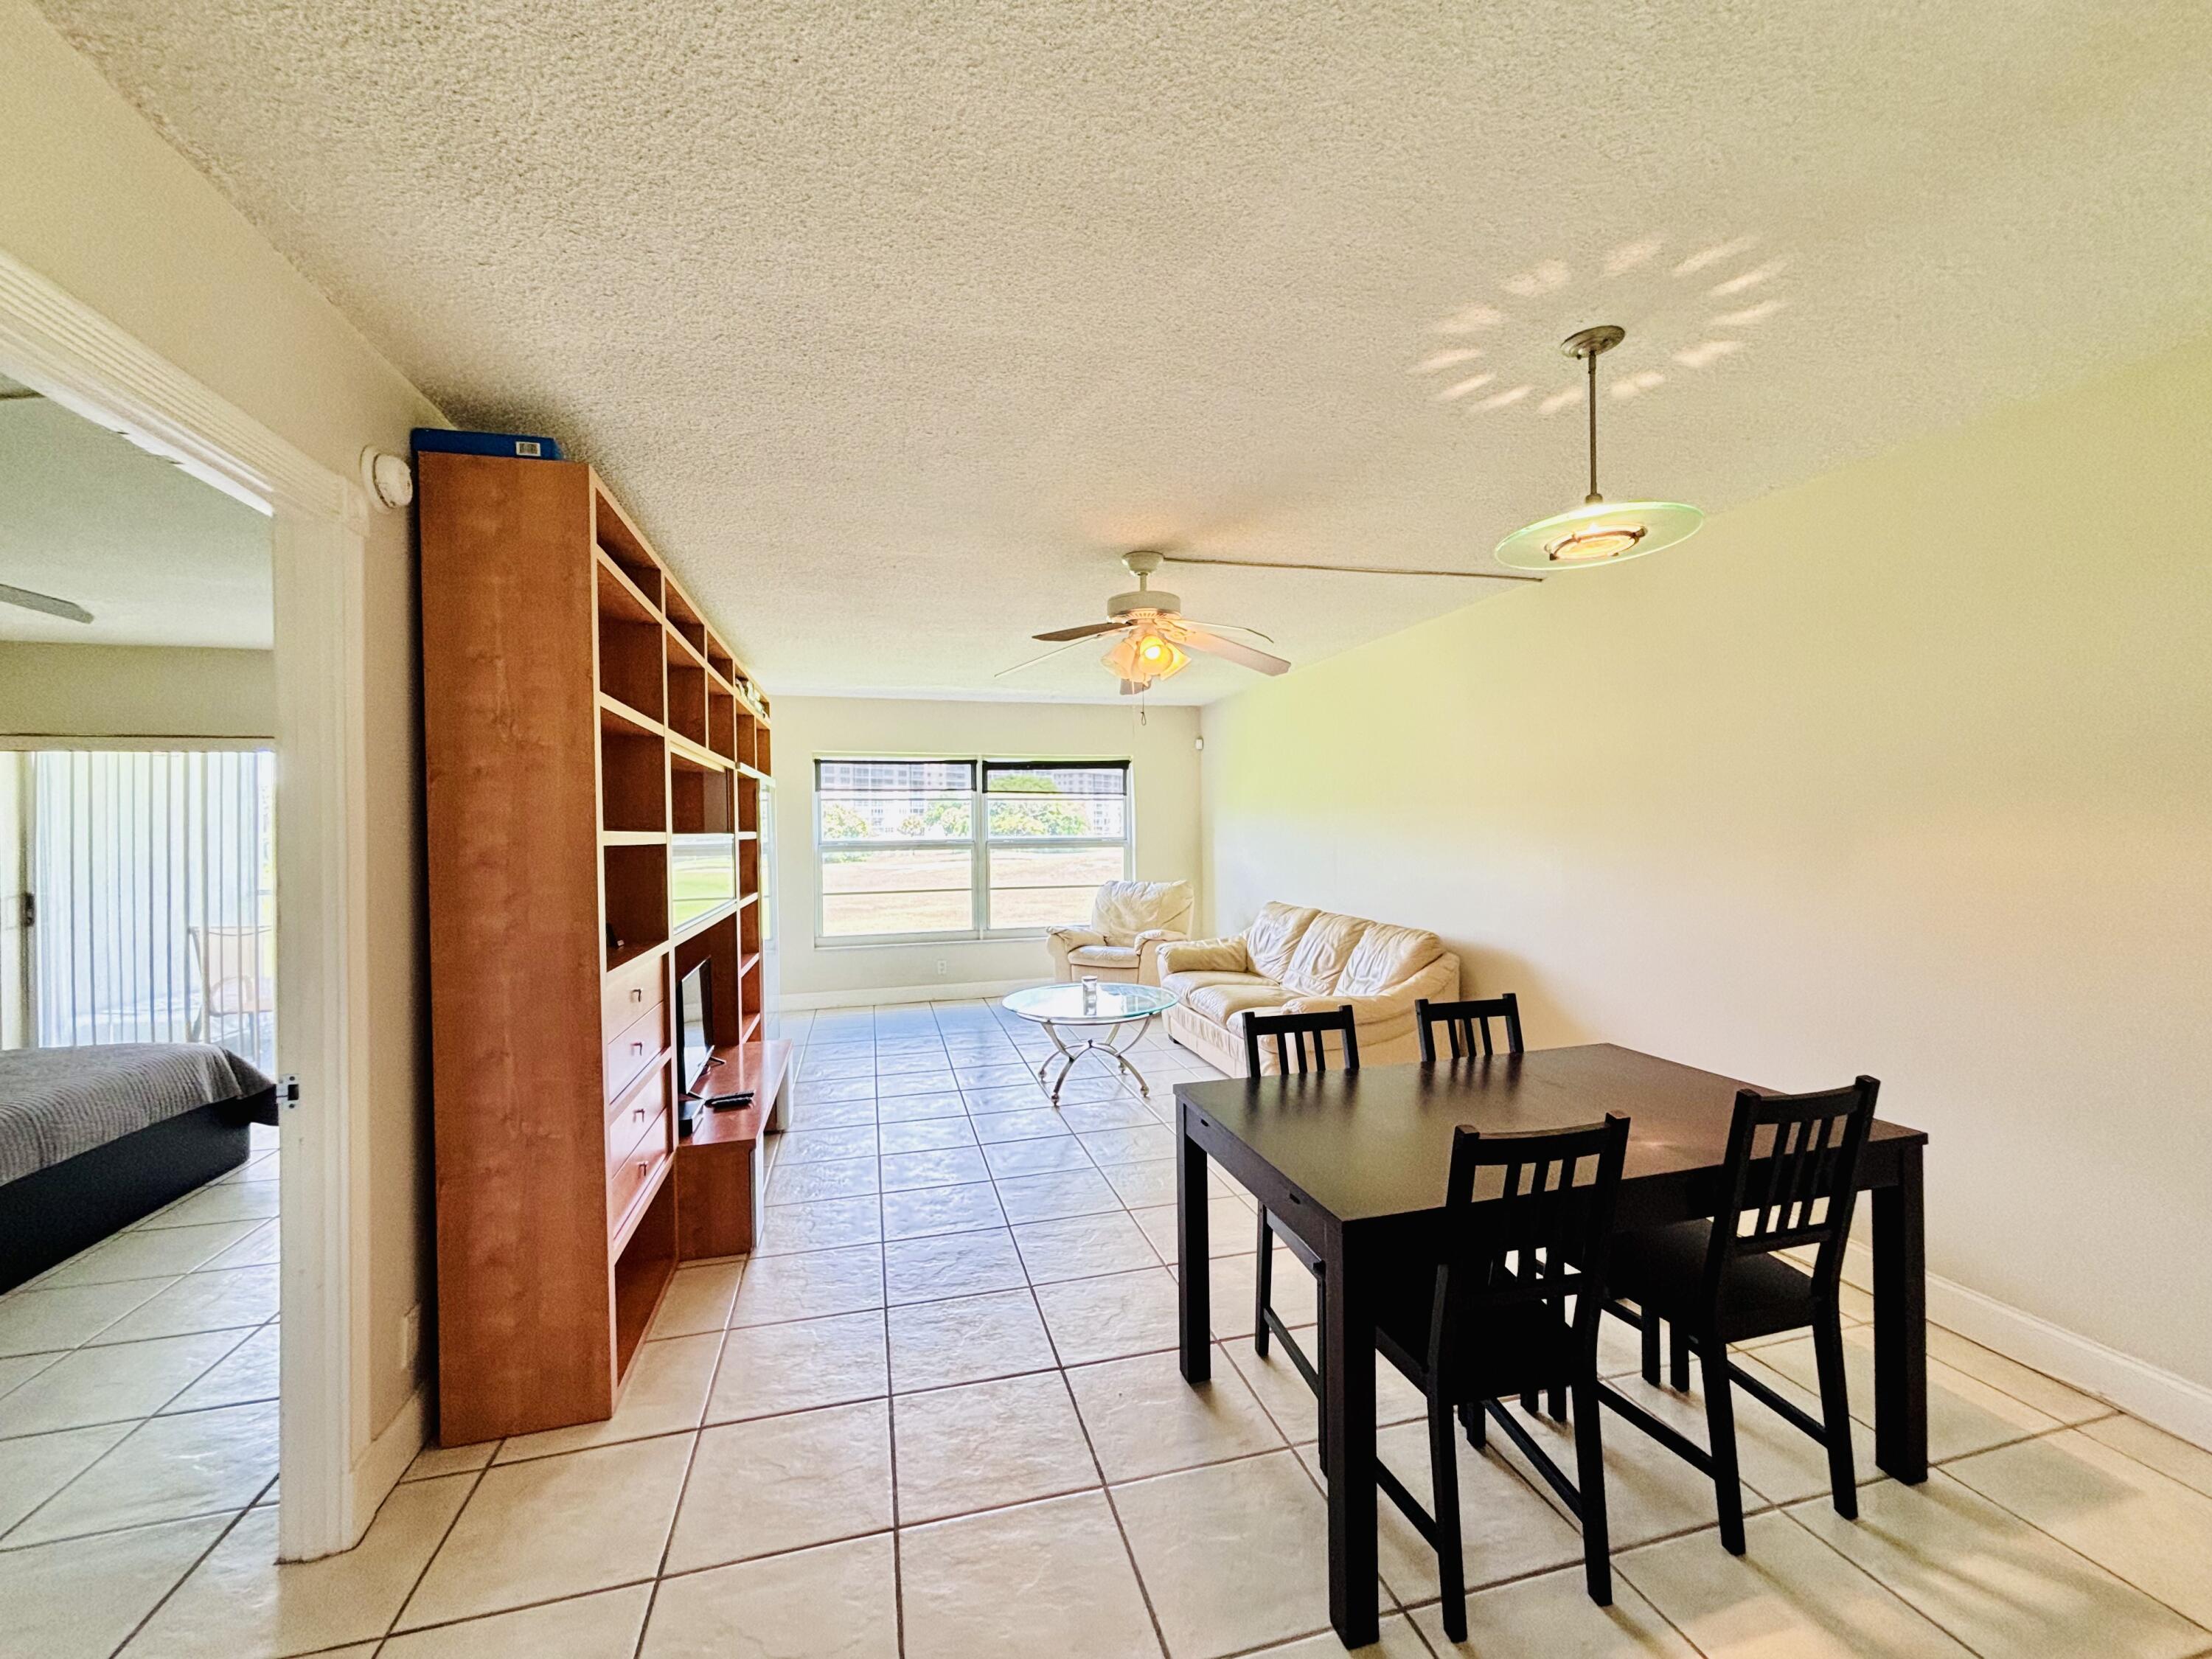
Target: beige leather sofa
[1129,922]
[1293,960]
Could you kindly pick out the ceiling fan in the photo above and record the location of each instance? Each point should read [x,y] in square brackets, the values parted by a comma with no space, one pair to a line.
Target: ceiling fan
[1155,640]
[29,601]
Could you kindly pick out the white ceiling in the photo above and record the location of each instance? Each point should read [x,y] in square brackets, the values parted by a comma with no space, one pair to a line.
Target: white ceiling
[894,324]
[158,557]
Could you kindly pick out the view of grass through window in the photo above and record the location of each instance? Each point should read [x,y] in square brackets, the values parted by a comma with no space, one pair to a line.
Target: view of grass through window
[966,847]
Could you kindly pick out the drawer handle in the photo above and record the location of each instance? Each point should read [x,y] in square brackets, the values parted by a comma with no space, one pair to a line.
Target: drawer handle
[637,1047]
[639,1113]
[642,1167]
[637,993]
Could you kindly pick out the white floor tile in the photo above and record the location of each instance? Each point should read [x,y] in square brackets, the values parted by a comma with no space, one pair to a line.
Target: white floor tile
[698,1299]
[941,1166]
[827,1225]
[968,1340]
[1648,1491]
[1553,1618]
[1144,1420]
[1110,1317]
[782,1483]
[920,1211]
[2175,1458]
[1964,1415]
[1083,1247]
[225,1298]
[665,1394]
[1995,1583]
[244,1200]
[554,1527]
[834,1601]
[798,1364]
[1046,1578]
[984,1445]
[166,1469]
[113,1384]
[249,1372]
[38,1321]
[809,1285]
[80,1599]
[160,1253]
[34,1466]
[239,1603]
[603,1626]
[930,1268]
[1787,1593]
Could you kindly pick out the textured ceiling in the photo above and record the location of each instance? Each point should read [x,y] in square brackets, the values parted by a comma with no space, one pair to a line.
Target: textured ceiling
[158,557]
[894,322]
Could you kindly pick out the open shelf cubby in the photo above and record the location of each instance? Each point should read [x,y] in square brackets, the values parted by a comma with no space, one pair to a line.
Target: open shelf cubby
[722,732]
[633,785]
[619,540]
[642,1271]
[636,884]
[748,804]
[687,696]
[632,663]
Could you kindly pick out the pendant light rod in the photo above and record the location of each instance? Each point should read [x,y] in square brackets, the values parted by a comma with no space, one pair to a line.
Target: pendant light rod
[1589,344]
[1593,498]
[1348,569]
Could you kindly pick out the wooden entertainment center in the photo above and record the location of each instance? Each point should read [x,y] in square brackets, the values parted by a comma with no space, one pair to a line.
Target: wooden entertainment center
[598,774]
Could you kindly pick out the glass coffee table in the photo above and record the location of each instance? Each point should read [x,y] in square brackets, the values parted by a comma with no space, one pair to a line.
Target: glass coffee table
[1122,1009]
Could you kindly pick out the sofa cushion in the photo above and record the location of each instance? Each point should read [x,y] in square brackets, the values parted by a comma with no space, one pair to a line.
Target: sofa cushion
[1197,979]
[1222,1003]
[1274,935]
[1386,956]
[1104,955]
[1323,949]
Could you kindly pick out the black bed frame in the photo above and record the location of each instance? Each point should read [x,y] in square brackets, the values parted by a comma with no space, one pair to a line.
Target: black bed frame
[49,1216]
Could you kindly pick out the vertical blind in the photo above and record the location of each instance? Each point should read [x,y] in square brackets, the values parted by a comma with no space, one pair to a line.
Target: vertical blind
[153,877]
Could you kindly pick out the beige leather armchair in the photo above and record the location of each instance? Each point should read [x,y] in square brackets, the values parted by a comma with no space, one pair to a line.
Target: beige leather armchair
[1130,920]
[1294,960]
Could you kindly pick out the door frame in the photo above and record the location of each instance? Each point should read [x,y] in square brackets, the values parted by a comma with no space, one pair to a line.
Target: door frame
[57,346]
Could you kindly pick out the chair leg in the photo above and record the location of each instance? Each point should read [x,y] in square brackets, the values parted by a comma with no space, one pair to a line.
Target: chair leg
[1473,1419]
[1444,1477]
[1720,1431]
[1651,1329]
[1835,1412]
[1590,1482]
[1263,1280]
[1678,1358]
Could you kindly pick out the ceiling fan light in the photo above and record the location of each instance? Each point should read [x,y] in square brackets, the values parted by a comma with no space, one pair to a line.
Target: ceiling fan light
[1144,655]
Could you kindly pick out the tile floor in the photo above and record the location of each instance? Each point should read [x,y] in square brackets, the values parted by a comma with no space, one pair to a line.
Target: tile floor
[938,1416]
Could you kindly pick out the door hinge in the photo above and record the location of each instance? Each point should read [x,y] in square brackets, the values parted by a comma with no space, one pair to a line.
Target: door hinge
[30,917]
[288,1091]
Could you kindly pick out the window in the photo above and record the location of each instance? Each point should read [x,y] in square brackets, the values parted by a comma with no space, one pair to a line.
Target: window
[154,881]
[965,848]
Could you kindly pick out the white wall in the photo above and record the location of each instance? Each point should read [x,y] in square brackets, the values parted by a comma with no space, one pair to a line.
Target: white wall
[1907,770]
[135,691]
[94,201]
[1163,772]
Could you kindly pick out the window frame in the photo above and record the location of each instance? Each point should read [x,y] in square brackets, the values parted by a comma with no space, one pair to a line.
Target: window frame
[979,842]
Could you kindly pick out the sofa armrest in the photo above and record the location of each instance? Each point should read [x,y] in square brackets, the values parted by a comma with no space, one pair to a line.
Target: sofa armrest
[1218,955]
[1149,944]
[1064,940]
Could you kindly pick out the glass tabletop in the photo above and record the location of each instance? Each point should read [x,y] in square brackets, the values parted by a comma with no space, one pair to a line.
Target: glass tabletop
[1115,1000]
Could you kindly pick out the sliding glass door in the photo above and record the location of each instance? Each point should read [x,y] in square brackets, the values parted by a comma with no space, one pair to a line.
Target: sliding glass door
[153,897]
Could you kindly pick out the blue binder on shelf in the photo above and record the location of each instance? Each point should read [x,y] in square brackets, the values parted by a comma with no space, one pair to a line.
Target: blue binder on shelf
[513,446]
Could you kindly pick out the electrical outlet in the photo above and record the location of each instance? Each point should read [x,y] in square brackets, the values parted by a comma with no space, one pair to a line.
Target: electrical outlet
[410,1338]
[940,967]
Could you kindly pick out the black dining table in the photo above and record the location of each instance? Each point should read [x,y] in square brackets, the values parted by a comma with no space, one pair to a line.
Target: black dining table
[1353,1163]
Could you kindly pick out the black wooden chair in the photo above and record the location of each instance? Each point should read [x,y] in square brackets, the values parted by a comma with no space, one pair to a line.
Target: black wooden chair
[1294,1037]
[1511,1308]
[1467,1025]
[1789,1181]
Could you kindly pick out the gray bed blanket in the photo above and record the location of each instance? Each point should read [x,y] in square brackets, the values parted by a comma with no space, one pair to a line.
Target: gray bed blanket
[56,1102]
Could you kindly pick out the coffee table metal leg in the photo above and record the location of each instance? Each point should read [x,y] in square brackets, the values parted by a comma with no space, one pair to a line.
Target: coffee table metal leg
[1067,1056]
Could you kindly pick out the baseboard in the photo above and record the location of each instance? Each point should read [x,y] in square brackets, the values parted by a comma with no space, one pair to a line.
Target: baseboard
[371,1480]
[805,1001]
[2165,1398]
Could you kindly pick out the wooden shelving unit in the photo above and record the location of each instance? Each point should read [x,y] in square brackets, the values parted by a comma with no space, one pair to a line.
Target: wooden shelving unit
[595,756]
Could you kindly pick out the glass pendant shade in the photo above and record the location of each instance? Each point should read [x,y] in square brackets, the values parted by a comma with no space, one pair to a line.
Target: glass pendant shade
[1598,532]
[1144,655]
[1601,532]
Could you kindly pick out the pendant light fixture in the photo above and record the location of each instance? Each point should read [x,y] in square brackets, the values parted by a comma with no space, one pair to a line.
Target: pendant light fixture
[1598,532]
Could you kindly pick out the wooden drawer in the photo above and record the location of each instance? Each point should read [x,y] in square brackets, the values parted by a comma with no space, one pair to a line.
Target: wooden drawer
[630,1122]
[626,1058]
[630,1176]
[629,991]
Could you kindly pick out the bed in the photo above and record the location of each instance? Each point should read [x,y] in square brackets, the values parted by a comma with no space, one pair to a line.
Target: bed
[91,1140]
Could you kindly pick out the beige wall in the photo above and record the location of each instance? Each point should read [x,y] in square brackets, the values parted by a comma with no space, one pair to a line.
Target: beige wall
[92,198]
[1907,770]
[1164,781]
[134,691]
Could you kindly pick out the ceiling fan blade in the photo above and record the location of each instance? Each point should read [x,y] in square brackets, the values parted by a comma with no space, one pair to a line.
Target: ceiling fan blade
[1032,662]
[1082,632]
[45,602]
[1239,628]
[1214,646]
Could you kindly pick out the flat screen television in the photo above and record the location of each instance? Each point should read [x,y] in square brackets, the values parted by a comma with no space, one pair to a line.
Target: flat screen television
[694,1041]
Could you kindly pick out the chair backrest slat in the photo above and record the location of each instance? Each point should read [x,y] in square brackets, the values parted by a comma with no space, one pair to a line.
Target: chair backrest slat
[1467,1026]
[1800,1188]
[1540,1238]
[1289,1034]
